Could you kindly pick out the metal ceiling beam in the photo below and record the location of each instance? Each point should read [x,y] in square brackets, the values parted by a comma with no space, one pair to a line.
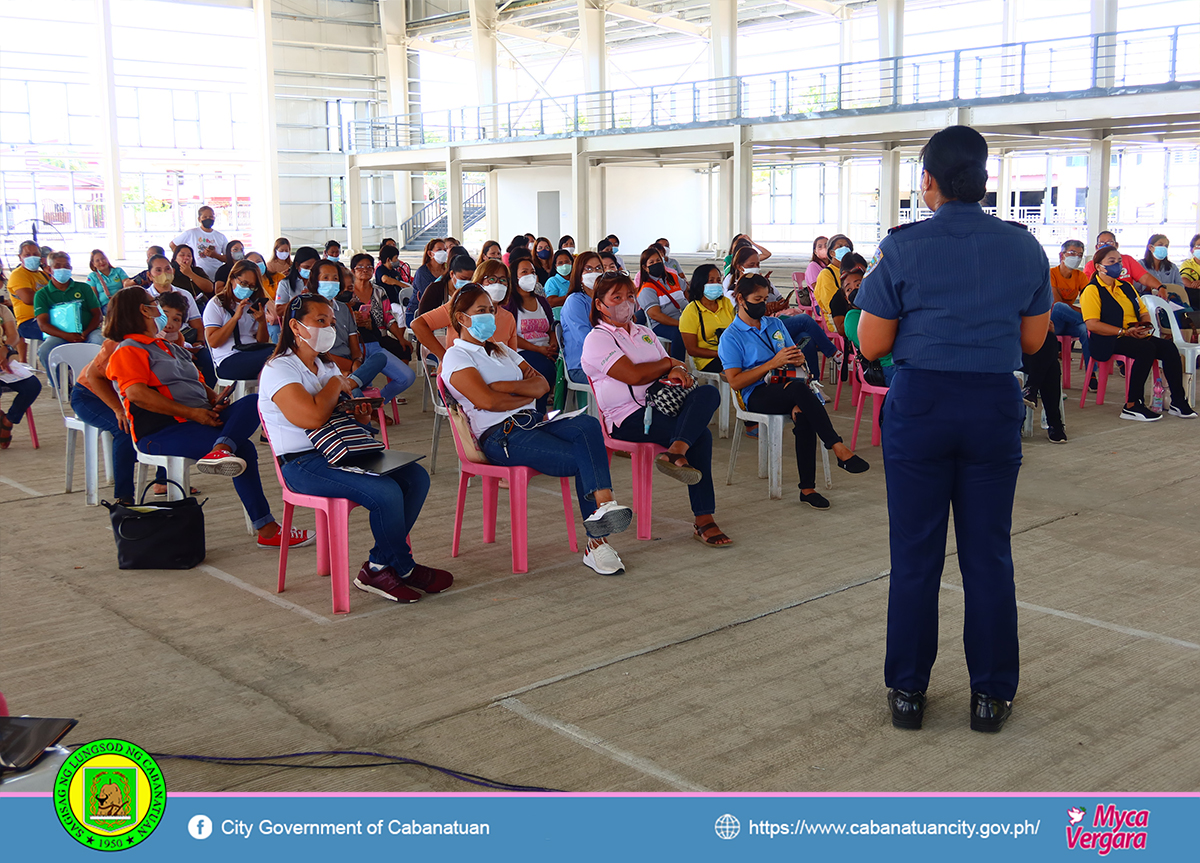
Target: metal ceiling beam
[666,22]
[532,34]
[820,7]
[447,48]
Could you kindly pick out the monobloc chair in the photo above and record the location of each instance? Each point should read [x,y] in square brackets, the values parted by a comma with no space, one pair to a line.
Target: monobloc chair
[642,456]
[1102,371]
[1187,350]
[877,395]
[333,536]
[66,361]
[798,281]
[373,393]
[473,463]
[770,448]
[579,389]
[439,407]
[1067,343]
[33,437]
[726,393]
[179,471]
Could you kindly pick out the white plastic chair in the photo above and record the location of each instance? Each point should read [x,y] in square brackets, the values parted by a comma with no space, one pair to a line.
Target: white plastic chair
[440,412]
[582,389]
[770,448]
[178,471]
[66,361]
[240,388]
[1187,350]
[722,385]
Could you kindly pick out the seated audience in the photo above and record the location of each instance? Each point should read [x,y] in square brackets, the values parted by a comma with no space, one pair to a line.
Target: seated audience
[1066,284]
[577,309]
[426,326]
[235,250]
[297,280]
[662,297]
[235,325]
[392,274]
[498,391]
[188,276]
[23,284]
[280,265]
[105,279]
[333,251]
[1043,379]
[664,248]
[536,343]
[491,251]
[816,263]
[162,277]
[1158,265]
[1118,323]
[610,262]
[1132,272]
[704,318]
[829,279]
[762,363]
[622,359]
[543,254]
[614,246]
[433,267]
[298,391]
[73,305]
[1189,272]
[559,285]
[371,325]
[142,279]
[26,388]
[567,243]
[456,274]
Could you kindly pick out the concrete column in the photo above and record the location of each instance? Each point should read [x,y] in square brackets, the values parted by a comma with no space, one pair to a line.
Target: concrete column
[454,194]
[1104,20]
[1004,186]
[598,188]
[722,58]
[891,44]
[1048,208]
[594,54]
[889,189]
[483,43]
[267,221]
[392,35]
[493,205]
[1099,163]
[581,194]
[114,207]
[354,214]
[743,182]
[725,219]
[844,197]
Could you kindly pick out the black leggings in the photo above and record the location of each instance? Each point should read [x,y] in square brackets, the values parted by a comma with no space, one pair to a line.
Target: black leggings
[1043,377]
[1143,352]
[811,423]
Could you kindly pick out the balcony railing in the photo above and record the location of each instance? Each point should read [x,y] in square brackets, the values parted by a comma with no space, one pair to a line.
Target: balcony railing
[1020,70]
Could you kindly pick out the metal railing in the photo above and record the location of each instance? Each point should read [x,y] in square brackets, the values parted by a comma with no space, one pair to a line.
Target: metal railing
[1101,63]
[474,202]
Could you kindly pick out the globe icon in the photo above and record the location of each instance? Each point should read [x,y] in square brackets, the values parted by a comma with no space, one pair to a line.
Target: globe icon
[727,826]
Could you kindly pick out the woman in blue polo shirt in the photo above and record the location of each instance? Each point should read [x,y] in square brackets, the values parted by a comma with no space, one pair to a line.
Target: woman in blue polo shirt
[763,363]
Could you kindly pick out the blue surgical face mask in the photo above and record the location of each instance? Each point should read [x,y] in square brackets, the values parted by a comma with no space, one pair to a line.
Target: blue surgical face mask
[262,267]
[841,252]
[1160,252]
[305,273]
[713,291]
[32,262]
[615,250]
[161,322]
[459,284]
[334,258]
[1114,270]
[563,270]
[237,254]
[483,327]
[62,275]
[242,292]
[329,290]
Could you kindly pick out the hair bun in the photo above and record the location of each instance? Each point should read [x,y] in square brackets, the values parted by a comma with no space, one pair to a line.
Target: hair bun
[968,182]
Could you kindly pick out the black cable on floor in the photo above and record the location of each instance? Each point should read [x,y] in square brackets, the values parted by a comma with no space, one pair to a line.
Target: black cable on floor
[387,760]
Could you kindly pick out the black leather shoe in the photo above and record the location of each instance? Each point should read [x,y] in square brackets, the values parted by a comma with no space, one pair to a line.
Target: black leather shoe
[908,708]
[987,713]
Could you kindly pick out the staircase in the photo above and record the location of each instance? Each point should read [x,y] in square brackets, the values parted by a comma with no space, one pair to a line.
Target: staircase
[432,221]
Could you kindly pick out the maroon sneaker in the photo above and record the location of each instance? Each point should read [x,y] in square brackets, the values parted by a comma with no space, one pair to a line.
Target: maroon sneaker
[428,579]
[384,583]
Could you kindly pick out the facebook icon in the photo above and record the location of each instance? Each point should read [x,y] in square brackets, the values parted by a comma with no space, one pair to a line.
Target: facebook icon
[200,827]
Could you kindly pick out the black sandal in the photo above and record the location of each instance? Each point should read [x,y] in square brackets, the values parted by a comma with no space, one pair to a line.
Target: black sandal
[704,535]
[677,468]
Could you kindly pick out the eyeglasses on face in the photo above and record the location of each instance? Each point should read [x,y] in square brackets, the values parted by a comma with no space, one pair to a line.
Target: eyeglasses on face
[494,280]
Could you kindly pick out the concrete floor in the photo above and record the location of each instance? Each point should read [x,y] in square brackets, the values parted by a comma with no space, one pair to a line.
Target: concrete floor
[751,669]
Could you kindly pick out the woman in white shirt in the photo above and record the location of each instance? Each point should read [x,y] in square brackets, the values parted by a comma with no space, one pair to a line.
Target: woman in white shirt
[235,325]
[298,390]
[536,342]
[497,390]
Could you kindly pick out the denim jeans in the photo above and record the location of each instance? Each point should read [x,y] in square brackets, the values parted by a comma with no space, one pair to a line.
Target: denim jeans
[29,330]
[49,343]
[570,447]
[678,350]
[1068,321]
[691,427]
[393,501]
[400,376]
[26,390]
[544,367]
[801,325]
[195,440]
[89,408]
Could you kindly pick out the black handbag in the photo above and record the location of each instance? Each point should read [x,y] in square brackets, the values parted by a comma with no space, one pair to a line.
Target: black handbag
[872,371]
[168,535]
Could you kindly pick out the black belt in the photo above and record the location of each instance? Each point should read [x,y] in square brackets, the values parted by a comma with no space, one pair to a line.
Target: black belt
[507,423]
[292,456]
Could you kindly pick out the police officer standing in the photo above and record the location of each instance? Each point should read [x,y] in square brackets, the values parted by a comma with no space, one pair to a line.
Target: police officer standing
[956,299]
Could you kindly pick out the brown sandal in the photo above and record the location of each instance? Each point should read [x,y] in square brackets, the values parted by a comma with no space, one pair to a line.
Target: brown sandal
[6,431]
[677,468]
[704,535]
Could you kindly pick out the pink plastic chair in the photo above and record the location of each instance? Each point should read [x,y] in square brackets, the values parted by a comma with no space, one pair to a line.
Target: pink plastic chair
[29,421]
[3,705]
[518,498]
[1067,342]
[374,393]
[877,395]
[642,455]
[798,282]
[333,535]
[1103,370]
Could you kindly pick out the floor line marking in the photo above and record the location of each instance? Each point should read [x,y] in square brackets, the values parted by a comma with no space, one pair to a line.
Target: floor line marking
[598,744]
[264,594]
[1102,624]
[21,488]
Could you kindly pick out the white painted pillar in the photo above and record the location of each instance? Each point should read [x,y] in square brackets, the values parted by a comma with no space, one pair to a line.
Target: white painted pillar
[743,182]
[599,198]
[1099,164]
[454,194]
[722,57]
[1004,186]
[581,183]
[266,220]
[593,110]
[392,37]
[725,219]
[891,44]
[1104,20]
[483,43]
[110,158]
[889,189]
[844,168]
[354,212]
[492,205]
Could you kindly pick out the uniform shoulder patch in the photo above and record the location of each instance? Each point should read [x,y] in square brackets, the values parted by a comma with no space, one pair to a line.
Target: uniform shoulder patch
[875,259]
[1021,225]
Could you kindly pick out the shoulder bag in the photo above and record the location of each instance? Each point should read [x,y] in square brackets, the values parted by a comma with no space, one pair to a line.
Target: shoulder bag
[168,535]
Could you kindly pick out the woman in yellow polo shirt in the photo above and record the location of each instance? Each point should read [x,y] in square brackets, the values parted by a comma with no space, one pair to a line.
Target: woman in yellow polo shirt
[704,319]
[829,280]
[1118,323]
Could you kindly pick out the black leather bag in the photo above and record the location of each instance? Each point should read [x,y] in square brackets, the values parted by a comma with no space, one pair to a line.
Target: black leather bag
[167,535]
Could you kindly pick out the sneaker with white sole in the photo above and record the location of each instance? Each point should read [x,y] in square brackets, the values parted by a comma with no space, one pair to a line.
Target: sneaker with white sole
[609,518]
[604,560]
[222,463]
[1182,410]
[1140,413]
[298,539]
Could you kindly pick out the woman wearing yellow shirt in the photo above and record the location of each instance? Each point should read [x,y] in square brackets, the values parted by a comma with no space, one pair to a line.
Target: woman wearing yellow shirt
[705,317]
[1118,323]
[829,280]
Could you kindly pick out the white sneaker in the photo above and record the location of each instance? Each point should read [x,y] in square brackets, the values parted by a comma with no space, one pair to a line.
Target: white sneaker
[604,560]
[609,518]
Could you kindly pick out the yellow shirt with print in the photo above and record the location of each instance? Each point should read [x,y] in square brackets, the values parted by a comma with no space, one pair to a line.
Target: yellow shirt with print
[690,319]
[1190,269]
[22,278]
[1089,303]
[826,287]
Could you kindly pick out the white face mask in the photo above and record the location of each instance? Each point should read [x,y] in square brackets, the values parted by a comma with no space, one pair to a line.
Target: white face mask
[570,249]
[1072,261]
[527,283]
[282,254]
[440,256]
[666,252]
[497,291]
[750,271]
[320,339]
[589,280]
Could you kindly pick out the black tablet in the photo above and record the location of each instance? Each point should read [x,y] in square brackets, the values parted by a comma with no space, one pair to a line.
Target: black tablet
[24,739]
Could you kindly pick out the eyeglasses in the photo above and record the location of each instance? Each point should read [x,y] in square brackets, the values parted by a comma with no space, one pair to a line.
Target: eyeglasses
[363,268]
[592,268]
[494,280]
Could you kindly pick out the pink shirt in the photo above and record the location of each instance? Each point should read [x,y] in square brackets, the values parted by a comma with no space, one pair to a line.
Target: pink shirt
[603,347]
[811,272]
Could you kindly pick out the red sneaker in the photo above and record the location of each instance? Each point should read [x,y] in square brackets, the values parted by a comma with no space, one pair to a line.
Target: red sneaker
[298,539]
[428,579]
[222,463]
[384,583]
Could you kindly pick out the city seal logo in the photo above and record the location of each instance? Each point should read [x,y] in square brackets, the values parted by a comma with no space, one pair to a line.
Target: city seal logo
[109,795]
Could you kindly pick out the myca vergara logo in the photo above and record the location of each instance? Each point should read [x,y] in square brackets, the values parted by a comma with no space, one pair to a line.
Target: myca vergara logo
[1110,830]
[109,795]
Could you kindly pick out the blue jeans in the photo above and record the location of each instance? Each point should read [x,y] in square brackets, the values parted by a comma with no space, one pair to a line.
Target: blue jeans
[89,408]
[678,350]
[195,440]
[952,440]
[1068,321]
[570,447]
[244,365]
[799,326]
[26,390]
[394,501]
[691,427]
[29,330]
[400,376]
[49,343]
[544,366]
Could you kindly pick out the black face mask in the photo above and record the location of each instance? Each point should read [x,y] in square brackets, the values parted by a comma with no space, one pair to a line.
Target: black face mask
[208,223]
[658,271]
[756,310]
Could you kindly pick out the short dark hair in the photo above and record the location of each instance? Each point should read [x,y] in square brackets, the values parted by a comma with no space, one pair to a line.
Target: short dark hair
[853,261]
[461,263]
[386,253]
[749,284]
[956,158]
[604,245]
[1070,244]
[174,300]
[329,244]
[359,258]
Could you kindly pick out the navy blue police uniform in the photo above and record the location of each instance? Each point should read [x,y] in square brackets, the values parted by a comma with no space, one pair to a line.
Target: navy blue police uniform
[958,284]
